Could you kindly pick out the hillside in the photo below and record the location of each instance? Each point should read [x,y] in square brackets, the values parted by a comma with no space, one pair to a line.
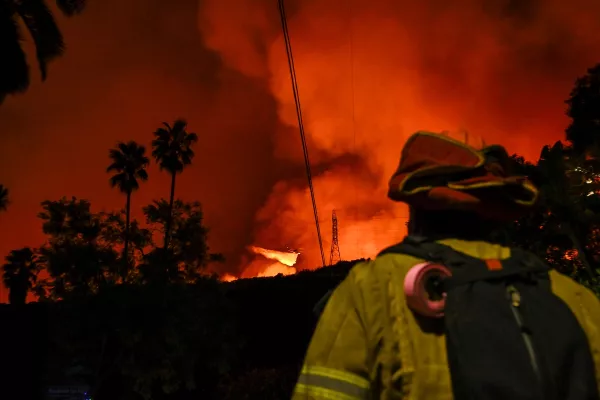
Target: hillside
[255,331]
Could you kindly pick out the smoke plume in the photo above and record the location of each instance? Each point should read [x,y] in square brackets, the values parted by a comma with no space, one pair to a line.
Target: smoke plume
[371,72]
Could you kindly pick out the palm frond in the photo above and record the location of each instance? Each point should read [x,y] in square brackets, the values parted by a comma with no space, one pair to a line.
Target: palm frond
[3,198]
[43,28]
[179,125]
[186,157]
[113,167]
[142,174]
[192,137]
[118,179]
[116,156]
[171,147]
[124,148]
[130,162]
[140,152]
[15,71]
[71,7]
[162,134]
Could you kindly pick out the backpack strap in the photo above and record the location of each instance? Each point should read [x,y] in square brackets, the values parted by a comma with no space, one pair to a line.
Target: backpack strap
[467,269]
[429,250]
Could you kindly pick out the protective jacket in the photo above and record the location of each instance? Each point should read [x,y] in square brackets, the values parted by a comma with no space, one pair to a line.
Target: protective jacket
[369,345]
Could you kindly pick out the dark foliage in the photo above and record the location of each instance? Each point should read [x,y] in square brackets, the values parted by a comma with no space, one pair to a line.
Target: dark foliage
[48,40]
[207,340]
[3,198]
[584,111]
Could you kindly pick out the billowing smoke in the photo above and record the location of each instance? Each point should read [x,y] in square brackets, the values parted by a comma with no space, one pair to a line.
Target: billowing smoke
[371,72]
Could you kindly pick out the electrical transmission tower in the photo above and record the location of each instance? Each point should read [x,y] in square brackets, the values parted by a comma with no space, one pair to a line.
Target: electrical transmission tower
[334,256]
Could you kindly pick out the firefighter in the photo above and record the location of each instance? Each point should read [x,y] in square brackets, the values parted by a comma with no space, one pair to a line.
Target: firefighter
[370,344]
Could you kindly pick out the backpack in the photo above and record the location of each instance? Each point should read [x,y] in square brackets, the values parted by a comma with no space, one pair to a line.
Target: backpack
[508,336]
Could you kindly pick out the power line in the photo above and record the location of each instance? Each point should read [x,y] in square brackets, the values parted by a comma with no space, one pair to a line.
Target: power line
[290,57]
[351,32]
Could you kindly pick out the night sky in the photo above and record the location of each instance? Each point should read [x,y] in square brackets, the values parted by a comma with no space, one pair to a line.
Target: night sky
[369,72]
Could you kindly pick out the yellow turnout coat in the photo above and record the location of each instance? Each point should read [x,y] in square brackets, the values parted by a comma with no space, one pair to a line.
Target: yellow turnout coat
[368,345]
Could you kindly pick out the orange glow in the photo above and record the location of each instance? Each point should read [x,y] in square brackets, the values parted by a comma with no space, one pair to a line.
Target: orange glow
[276,269]
[228,278]
[284,264]
[284,257]
[483,70]
[571,255]
[370,72]
[264,267]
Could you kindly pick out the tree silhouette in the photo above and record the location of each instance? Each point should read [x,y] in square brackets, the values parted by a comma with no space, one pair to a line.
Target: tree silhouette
[565,189]
[188,253]
[129,162]
[20,274]
[172,149]
[113,228]
[75,256]
[3,198]
[69,220]
[39,21]
[584,111]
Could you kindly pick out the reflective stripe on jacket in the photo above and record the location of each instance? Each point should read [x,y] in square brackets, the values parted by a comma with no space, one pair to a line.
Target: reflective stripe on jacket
[368,344]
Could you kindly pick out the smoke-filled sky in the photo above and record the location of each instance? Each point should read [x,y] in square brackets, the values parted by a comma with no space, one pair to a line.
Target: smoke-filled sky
[369,72]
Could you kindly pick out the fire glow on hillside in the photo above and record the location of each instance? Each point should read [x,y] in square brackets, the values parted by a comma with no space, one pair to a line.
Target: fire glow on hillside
[283,263]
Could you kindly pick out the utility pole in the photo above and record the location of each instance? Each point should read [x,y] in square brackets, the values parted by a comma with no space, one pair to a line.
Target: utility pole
[334,256]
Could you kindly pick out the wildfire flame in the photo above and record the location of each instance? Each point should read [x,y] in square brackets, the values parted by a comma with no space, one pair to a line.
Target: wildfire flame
[284,262]
[285,258]
[228,278]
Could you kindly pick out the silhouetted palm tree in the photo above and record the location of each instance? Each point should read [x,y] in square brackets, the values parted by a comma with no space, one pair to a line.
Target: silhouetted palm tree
[20,274]
[172,149]
[129,161]
[3,198]
[39,21]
